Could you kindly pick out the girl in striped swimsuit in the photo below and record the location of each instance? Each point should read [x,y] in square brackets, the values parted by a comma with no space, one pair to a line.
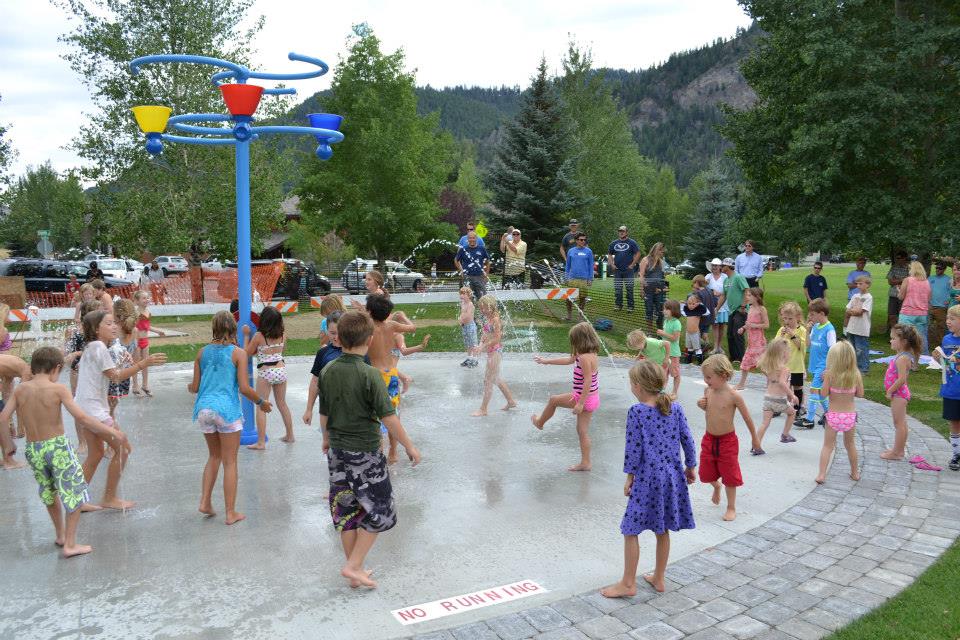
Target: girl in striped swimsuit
[583,399]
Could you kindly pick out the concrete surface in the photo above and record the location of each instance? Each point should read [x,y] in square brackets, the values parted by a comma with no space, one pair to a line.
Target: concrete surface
[492,503]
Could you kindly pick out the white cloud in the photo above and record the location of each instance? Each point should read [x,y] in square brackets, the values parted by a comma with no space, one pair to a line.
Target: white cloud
[490,43]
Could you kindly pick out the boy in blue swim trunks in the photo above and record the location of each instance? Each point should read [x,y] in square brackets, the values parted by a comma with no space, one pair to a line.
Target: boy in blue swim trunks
[822,337]
[52,458]
[353,402]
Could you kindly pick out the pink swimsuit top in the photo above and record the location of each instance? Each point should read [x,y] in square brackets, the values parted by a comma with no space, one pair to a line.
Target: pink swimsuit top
[891,376]
[488,328]
[578,380]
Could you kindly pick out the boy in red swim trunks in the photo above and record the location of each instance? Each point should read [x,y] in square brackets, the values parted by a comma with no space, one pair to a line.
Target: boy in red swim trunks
[719,450]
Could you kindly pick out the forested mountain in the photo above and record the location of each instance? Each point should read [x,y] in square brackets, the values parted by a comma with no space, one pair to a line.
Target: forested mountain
[674,107]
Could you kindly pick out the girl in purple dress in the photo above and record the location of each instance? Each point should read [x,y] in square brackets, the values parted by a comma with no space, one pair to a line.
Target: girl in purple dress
[656,478]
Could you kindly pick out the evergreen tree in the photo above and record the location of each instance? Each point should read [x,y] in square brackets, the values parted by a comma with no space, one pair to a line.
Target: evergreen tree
[714,211]
[533,179]
[382,187]
[613,178]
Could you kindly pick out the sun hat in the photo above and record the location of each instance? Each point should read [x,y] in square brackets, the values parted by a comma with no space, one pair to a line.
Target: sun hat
[715,262]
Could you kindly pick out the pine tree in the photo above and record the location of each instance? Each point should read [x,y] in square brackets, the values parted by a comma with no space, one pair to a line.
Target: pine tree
[532,181]
[716,209]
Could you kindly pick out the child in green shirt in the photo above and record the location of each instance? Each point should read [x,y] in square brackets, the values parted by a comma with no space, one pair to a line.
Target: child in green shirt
[672,328]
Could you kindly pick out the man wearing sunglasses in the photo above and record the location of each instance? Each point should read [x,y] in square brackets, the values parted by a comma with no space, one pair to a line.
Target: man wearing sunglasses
[815,285]
[471,228]
[514,258]
[622,257]
[579,270]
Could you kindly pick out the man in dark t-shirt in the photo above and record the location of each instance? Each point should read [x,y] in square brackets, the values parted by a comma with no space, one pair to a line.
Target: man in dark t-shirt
[622,258]
[815,285]
[570,240]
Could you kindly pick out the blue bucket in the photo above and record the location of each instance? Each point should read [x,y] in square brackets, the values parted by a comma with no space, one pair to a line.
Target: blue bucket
[325,121]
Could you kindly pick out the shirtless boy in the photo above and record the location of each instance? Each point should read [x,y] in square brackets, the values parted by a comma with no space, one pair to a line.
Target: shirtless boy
[37,402]
[10,367]
[719,450]
[385,330]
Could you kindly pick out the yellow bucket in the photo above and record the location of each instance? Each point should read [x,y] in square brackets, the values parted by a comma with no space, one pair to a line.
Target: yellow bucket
[151,118]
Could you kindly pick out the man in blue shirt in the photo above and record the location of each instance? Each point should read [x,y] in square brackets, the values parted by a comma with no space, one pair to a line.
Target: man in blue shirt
[815,285]
[853,275]
[579,271]
[463,239]
[749,264]
[622,256]
[939,301]
[473,263]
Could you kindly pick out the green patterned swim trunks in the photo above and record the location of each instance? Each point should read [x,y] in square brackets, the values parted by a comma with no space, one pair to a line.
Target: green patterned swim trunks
[58,471]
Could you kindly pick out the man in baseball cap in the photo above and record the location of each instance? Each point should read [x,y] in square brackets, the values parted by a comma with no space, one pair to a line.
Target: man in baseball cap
[570,239]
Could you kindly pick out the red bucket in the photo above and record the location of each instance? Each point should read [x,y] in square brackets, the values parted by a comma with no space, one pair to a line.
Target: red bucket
[241,99]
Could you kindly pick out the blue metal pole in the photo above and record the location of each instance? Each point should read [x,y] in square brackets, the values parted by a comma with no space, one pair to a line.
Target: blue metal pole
[244,279]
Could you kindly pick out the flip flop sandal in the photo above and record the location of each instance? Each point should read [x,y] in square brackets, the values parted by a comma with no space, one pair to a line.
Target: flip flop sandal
[926,466]
[917,460]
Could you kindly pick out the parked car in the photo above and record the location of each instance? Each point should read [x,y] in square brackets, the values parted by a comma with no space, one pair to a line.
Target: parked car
[115,268]
[837,258]
[398,276]
[297,275]
[172,264]
[90,257]
[53,275]
[687,269]
[134,269]
[212,264]
[770,263]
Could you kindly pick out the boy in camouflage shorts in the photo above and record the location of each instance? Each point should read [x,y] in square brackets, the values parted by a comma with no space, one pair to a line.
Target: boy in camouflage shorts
[353,403]
[54,462]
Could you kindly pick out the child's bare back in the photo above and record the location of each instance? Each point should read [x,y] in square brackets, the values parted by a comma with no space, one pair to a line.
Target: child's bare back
[39,403]
[384,339]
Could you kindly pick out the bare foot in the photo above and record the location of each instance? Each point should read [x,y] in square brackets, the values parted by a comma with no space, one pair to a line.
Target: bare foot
[889,454]
[59,541]
[535,419]
[10,465]
[119,504]
[618,590]
[87,507]
[579,467]
[392,458]
[288,440]
[407,381]
[855,476]
[715,498]
[658,585]
[234,517]
[361,577]
[207,510]
[356,583]
[730,515]
[819,479]
[508,406]
[76,550]
[479,413]
[257,446]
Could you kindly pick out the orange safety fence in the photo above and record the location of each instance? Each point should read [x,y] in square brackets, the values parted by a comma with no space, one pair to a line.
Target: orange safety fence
[197,287]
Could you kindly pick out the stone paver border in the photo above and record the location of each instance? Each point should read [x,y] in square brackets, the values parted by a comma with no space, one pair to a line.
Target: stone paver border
[844,549]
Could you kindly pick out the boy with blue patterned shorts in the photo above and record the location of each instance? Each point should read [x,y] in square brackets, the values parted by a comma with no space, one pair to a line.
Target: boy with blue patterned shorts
[52,458]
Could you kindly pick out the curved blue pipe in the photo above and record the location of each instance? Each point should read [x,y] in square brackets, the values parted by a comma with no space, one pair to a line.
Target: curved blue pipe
[238,71]
[204,141]
[329,134]
[215,131]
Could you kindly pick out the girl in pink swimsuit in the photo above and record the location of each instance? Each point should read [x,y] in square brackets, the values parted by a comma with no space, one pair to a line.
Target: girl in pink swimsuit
[906,343]
[490,345]
[583,400]
[842,379]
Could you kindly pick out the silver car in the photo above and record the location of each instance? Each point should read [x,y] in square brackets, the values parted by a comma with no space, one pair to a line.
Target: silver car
[398,276]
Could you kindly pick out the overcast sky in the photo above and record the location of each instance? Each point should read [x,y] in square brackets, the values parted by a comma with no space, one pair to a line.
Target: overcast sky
[448,42]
